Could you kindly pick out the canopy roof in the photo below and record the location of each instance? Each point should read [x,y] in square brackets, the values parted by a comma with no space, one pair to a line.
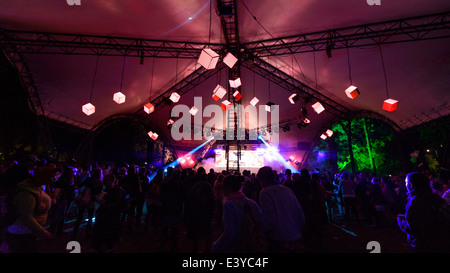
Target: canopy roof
[286,46]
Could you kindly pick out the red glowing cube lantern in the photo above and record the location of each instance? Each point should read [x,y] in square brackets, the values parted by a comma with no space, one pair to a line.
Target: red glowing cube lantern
[193,110]
[88,109]
[119,97]
[174,97]
[230,60]
[318,107]
[149,108]
[153,135]
[237,95]
[352,91]
[235,83]
[390,105]
[225,105]
[254,101]
[208,58]
[219,92]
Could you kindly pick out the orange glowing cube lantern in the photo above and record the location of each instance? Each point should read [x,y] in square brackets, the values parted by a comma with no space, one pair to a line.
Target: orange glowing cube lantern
[219,92]
[318,107]
[237,95]
[390,105]
[225,105]
[119,97]
[88,109]
[235,83]
[149,108]
[230,60]
[352,91]
[193,110]
[174,97]
[208,58]
[254,101]
[152,135]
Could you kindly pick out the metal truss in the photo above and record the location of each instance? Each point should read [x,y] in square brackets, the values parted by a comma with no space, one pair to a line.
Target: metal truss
[77,44]
[293,85]
[395,31]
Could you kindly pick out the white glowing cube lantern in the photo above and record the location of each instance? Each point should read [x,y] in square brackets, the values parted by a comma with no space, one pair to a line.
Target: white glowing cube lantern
[254,101]
[153,135]
[119,97]
[352,92]
[293,98]
[225,105]
[174,97]
[318,107]
[149,108]
[329,133]
[88,109]
[323,136]
[237,95]
[208,58]
[219,92]
[193,110]
[235,83]
[230,60]
[390,105]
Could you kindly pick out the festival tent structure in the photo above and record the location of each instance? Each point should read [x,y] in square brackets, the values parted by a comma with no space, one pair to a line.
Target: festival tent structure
[71,53]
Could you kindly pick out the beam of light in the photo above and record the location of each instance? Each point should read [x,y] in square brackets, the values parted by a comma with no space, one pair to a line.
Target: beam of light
[178,161]
[277,155]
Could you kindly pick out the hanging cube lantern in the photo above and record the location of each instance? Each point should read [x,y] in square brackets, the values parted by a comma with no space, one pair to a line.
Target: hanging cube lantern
[152,135]
[390,105]
[88,109]
[254,101]
[235,83]
[225,105]
[208,58]
[230,60]
[352,91]
[323,136]
[293,98]
[237,95]
[119,97]
[318,107]
[219,92]
[269,106]
[149,108]
[174,97]
[193,110]
[329,133]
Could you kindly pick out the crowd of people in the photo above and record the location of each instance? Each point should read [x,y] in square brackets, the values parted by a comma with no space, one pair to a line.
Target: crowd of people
[286,211]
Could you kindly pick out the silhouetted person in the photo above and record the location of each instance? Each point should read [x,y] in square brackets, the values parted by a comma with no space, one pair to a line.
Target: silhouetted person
[427,218]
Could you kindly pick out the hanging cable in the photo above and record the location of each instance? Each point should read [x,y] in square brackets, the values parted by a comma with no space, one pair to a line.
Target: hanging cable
[384,70]
[123,71]
[349,66]
[93,80]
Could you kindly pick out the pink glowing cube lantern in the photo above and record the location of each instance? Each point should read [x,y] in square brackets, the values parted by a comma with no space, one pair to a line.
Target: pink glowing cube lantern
[237,95]
[323,136]
[329,133]
[174,97]
[390,105]
[225,105]
[219,92]
[254,101]
[235,83]
[193,110]
[149,108]
[153,135]
[119,97]
[230,60]
[352,92]
[208,58]
[318,107]
[88,109]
